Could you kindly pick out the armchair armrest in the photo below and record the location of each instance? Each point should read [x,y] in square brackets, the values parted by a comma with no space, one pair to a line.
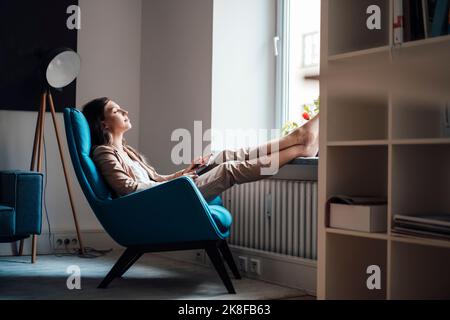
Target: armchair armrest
[22,190]
[171,212]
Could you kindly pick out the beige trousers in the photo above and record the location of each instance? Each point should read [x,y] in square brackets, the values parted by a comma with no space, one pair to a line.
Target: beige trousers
[232,167]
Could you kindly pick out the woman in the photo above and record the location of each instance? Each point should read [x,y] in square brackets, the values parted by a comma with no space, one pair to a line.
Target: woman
[127,171]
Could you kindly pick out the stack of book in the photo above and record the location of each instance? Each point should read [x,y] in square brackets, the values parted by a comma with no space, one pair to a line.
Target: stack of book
[420,19]
[425,225]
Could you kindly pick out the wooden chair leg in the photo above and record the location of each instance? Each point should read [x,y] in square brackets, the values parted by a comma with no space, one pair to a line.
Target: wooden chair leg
[121,264]
[226,253]
[20,247]
[33,248]
[216,259]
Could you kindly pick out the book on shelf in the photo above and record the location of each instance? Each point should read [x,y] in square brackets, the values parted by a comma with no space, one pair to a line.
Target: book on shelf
[440,19]
[439,219]
[420,233]
[420,19]
[429,225]
[448,31]
[426,18]
[398,21]
[414,19]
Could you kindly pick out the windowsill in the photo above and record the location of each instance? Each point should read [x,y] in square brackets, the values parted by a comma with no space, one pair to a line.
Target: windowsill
[299,169]
[310,161]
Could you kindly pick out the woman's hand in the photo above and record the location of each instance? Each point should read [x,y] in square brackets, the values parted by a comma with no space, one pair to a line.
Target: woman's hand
[192,175]
[197,163]
[191,170]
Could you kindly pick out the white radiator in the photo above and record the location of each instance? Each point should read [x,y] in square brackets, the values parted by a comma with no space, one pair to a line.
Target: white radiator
[277,216]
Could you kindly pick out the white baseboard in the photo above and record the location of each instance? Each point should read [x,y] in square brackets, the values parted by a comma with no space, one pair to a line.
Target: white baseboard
[276,268]
[97,239]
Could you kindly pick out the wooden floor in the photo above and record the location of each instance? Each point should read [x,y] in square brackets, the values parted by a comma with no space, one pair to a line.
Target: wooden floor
[152,277]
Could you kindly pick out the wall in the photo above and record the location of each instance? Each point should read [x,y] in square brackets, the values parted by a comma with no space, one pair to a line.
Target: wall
[243,91]
[109,45]
[205,60]
[176,74]
[155,58]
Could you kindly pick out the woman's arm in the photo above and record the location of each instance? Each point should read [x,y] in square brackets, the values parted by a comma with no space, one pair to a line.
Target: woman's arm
[174,175]
[189,171]
[114,174]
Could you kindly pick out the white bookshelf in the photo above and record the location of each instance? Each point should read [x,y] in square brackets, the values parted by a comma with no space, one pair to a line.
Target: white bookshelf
[382,142]
[378,52]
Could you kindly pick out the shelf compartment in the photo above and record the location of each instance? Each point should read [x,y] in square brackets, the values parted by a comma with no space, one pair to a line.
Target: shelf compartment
[420,119]
[347,26]
[357,170]
[420,179]
[347,259]
[366,117]
[419,272]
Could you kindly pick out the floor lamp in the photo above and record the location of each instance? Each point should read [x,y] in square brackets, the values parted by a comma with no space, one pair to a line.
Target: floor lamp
[61,67]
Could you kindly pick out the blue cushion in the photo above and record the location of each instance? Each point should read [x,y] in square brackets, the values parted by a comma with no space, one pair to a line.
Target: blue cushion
[82,135]
[222,217]
[7,221]
[217,201]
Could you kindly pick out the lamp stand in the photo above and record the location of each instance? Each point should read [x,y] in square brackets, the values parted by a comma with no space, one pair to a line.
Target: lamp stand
[36,163]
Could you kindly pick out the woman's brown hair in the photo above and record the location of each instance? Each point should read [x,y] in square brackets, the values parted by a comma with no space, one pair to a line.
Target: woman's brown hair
[94,112]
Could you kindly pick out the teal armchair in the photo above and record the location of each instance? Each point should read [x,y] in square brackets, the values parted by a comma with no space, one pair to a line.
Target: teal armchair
[168,217]
[20,206]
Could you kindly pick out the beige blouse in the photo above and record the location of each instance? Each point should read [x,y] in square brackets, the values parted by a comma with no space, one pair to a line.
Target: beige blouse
[119,174]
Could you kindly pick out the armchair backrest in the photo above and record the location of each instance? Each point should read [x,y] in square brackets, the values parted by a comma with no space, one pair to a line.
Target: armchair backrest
[79,143]
[137,228]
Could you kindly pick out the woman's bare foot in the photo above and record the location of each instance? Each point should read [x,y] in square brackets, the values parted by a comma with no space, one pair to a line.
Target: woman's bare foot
[308,135]
[308,132]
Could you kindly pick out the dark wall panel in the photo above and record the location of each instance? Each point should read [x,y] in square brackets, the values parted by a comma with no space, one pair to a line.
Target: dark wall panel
[27,28]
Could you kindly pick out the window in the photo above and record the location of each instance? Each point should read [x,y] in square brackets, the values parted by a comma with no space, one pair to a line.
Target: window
[297,47]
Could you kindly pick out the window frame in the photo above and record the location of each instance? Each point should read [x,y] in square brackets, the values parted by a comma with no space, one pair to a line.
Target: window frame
[282,47]
[283,71]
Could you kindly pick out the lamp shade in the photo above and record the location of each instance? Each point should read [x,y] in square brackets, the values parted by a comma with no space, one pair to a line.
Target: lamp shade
[62,67]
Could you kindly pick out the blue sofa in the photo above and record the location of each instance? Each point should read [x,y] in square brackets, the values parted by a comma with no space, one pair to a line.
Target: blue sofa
[20,207]
[171,216]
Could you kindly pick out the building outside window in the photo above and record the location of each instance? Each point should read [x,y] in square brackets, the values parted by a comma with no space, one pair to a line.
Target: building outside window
[297,46]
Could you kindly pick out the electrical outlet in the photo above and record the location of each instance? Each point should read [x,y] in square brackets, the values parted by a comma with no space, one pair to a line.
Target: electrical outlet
[243,263]
[199,256]
[255,266]
[65,242]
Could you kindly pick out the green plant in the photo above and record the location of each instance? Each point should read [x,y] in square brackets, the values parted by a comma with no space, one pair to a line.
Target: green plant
[310,110]
[288,127]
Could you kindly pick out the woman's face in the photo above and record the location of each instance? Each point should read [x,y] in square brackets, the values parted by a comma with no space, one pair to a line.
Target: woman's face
[116,118]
